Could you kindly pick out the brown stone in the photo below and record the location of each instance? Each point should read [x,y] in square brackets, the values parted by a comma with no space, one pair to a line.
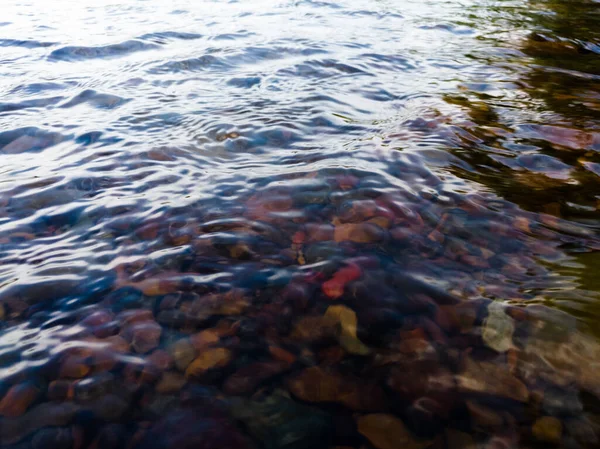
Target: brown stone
[331,355]
[48,414]
[456,439]
[103,360]
[209,359]
[135,316]
[232,302]
[74,366]
[140,373]
[204,339]
[170,382]
[358,233]
[97,318]
[144,336]
[117,343]
[460,317]
[60,390]
[319,232]
[314,329]
[316,384]
[388,432]
[547,429]
[182,352]
[484,417]
[161,359]
[416,379]
[282,355]
[247,379]
[489,378]
[17,400]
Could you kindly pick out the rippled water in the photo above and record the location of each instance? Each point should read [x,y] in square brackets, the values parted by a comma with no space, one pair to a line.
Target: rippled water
[299,224]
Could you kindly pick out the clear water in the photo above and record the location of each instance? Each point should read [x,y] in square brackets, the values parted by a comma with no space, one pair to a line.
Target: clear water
[299,224]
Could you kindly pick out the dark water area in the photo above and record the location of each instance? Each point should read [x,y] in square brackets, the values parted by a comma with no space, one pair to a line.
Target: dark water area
[307,224]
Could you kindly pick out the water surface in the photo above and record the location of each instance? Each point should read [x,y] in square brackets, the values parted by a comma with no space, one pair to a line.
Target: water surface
[304,224]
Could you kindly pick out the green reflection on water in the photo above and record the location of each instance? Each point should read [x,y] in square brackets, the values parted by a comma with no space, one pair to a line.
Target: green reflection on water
[532,132]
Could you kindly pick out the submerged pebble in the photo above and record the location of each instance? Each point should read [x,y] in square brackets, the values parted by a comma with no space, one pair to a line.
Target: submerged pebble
[302,225]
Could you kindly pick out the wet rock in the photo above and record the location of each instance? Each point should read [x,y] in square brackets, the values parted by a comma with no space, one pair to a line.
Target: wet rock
[331,355]
[415,344]
[314,329]
[60,390]
[232,302]
[170,382]
[134,316]
[550,324]
[74,366]
[176,319]
[52,438]
[139,372]
[582,430]
[182,352]
[157,405]
[282,355]
[500,442]
[455,439]
[193,428]
[204,339]
[48,414]
[109,407]
[93,387]
[247,379]
[346,321]
[106,330]
[561,401]
[388,432]
[18,399]
[161,359]
[415,379]
[489,378]
[498,328]
[144,336]
[427,415]
[562,360]
[117,343]
[547,429]
[97,318]
[297,295]
[319,232]
[280,423]
[483,417]
[110,436]
[316,384]
[213,358]
[358,233]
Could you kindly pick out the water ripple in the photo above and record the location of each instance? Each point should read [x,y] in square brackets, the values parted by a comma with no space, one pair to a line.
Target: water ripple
[82,53]
[299,224]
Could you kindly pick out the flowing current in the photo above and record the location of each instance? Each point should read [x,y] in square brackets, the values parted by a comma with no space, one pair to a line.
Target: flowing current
[299,224]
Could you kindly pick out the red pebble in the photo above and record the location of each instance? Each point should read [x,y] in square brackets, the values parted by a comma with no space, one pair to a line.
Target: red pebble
[334,287]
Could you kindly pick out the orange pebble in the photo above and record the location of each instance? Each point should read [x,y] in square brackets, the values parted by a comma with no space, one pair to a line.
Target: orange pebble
[282,355]
[17,400]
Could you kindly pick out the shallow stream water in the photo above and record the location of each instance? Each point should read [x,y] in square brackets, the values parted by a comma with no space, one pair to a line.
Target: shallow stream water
[299,224]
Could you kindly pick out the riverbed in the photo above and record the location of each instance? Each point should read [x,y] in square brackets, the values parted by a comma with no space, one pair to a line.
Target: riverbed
[300,224]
